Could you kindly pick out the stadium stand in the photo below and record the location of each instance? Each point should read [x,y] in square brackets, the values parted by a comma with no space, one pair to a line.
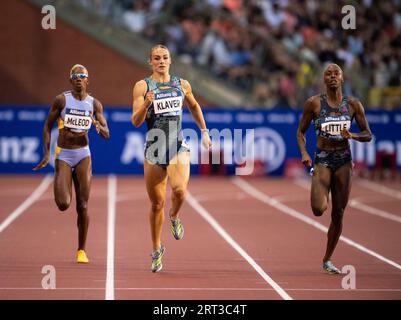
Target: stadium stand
[275,49]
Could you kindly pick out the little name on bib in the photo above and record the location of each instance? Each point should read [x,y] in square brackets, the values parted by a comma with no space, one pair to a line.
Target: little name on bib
[335,127]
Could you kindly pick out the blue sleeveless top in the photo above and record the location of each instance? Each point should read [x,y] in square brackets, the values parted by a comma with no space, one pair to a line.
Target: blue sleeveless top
[331,121]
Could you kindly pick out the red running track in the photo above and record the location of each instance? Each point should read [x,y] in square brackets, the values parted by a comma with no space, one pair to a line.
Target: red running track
[240,242]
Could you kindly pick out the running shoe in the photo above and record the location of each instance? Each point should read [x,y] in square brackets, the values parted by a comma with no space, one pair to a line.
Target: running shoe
[330,267]
[177,229]
[81,257]
[157,259]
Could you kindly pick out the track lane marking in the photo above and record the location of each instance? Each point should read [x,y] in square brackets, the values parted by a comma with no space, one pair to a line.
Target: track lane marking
[354,203]
[205,289]
[252,191]
[33,197]
[224,234]
[111,222]
[379,188]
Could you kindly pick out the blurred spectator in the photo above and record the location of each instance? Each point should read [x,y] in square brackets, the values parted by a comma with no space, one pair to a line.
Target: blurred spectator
[275,48]
[135,18]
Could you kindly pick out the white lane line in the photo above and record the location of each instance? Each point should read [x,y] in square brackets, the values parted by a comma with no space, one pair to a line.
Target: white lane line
[300,216]
[258,289]
[380,188]
[111,222]
[33,197]
[220,230]
[207,289]
[354,203]
[377,212]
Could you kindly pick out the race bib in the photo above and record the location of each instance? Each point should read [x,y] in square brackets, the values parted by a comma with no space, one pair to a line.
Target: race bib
[334,128]
[77,119]
[167,102]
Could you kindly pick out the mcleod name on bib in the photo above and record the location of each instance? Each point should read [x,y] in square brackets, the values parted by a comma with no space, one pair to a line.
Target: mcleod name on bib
[77,119]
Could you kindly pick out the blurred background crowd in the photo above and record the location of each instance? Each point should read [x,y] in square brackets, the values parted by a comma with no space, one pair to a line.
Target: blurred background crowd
[251,64]
[275,50]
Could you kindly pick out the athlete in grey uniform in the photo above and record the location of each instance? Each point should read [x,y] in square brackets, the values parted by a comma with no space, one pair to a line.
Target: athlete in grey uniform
[162,116]
[75,111]
[332,114]
[159,100]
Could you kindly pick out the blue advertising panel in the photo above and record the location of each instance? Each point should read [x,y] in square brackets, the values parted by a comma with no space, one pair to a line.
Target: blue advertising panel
[273,133]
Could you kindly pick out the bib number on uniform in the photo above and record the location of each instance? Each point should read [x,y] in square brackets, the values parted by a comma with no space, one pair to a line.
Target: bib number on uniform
[77,119]
[334,128]
[167,105]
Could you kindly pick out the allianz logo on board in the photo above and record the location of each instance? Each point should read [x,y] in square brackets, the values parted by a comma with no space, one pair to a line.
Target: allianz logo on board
[28,115]
[269,147]
[281,118]
[7,115]
[378,118]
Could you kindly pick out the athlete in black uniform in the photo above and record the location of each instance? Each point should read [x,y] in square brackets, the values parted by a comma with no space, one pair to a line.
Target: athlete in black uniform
[332,114]
[159,99]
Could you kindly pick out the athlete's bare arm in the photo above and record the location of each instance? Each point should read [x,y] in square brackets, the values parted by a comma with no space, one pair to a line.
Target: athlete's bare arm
[193,105]
[100,123]
[54,113]
[365,135]
[307,116]
[141,102]
[196,112]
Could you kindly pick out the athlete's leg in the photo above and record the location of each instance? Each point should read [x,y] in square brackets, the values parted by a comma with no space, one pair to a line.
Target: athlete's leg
[156,180]
[62,184]
[178,174]
[82,177]
[321,180]
[340,190]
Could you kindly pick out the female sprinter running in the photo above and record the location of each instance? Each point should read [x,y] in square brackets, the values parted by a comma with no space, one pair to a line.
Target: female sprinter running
[159,99]
[75,111]
[332,114]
